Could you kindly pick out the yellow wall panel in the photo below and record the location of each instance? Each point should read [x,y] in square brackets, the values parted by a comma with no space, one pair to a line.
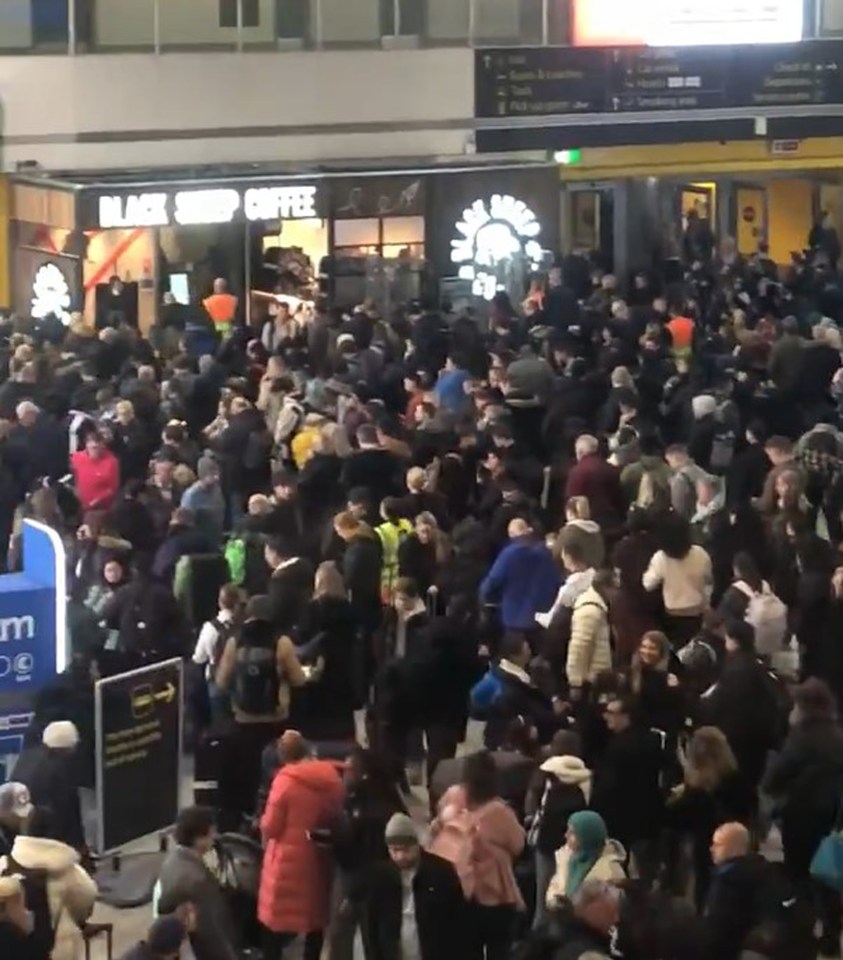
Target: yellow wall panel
[790,209]
[5,285]
[699,159]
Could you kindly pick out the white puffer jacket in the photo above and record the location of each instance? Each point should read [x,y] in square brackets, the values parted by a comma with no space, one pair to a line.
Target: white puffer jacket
[71,892]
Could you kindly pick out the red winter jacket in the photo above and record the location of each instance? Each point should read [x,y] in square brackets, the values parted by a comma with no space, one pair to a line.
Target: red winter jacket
[97,481]
[296,875]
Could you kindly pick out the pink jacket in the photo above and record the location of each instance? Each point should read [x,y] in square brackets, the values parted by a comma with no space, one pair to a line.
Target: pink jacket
[482,845]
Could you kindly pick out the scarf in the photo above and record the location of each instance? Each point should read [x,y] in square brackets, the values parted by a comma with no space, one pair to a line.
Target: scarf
[590,831]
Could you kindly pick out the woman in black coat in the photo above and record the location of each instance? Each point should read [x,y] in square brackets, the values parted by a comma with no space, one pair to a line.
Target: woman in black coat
[806,780]
[329,640]
[712,793]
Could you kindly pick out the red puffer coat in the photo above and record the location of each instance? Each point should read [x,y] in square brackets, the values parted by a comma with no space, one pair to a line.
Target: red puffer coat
[296,874]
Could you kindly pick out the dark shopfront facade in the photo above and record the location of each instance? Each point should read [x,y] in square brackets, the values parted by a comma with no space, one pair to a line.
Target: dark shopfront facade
[388,237]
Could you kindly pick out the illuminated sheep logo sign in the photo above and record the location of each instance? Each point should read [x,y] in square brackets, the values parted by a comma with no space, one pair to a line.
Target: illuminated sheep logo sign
[50,294]
[490,237]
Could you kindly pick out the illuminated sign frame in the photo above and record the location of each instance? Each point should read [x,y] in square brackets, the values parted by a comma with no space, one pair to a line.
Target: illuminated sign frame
[490,233]
[207,205]
[694,23]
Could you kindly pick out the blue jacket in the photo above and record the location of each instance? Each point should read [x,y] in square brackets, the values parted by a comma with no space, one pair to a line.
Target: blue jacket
[525,579]
[450,390]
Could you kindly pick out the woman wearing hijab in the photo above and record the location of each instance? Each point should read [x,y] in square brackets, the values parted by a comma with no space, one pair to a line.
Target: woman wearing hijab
[588,854]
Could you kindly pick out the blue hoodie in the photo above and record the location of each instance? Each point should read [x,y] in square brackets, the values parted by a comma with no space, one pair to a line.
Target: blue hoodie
[450,390]
[525,579]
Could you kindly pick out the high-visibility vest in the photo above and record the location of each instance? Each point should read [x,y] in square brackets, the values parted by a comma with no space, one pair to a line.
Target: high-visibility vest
[391,536]
[221,308]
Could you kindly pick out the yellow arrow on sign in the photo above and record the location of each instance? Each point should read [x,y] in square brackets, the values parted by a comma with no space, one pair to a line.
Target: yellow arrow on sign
[167,694]
[145,700]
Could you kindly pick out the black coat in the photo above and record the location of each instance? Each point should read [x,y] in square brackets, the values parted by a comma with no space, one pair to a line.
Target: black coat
[745,892]
[418,561]
[743,706]
[626,791]
[517,699]
[324,709]
[439,675]
[361,569]
[290,589]
[806,780]
[745,477]
[441,911]
[52,777]
[240,475]
[378,471]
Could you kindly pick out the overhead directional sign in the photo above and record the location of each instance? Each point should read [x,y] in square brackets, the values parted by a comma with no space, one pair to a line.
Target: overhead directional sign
[557,81]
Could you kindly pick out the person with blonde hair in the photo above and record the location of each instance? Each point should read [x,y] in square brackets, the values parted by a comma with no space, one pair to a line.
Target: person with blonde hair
[712,793]
[423,551]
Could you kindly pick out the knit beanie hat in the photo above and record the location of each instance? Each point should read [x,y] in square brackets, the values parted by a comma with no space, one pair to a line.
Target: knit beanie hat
[401,831]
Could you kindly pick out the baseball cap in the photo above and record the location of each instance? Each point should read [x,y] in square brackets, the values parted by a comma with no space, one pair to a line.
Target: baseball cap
[15,799]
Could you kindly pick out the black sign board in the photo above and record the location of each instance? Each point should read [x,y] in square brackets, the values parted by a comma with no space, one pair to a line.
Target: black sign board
[138,758]
[361,197]
[553,81]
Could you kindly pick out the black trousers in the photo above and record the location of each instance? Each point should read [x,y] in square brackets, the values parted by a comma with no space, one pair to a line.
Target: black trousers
[240,773]
[274,944]
[492,930]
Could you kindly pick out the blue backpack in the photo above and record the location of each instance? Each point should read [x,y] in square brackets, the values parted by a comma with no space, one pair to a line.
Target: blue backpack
[485,693]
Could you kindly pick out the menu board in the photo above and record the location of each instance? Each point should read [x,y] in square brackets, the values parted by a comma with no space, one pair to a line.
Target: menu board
[552,81]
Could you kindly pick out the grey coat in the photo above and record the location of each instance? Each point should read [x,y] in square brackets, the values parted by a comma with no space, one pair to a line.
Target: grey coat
[184,874]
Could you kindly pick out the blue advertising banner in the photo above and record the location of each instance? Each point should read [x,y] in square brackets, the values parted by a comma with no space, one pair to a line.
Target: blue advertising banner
[33,630]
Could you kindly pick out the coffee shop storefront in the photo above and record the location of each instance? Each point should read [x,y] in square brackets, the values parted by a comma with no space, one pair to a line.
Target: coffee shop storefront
[387,237]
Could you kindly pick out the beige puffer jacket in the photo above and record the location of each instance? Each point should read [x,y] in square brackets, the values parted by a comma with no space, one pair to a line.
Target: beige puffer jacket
[589,651]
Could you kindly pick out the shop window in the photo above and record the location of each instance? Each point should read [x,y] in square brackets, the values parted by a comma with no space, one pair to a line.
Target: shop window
[360,237]
[448,20]
[402,18]
[517,21]
[292,19]
[350,22]
[251,13]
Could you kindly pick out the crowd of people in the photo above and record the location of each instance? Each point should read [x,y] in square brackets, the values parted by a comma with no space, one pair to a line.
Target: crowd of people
[605,524]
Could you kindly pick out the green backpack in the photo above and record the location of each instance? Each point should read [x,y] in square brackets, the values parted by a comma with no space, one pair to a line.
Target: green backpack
[235,557]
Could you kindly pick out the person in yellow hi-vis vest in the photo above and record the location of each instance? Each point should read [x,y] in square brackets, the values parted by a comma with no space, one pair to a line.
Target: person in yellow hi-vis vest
[391,533]
[221,307]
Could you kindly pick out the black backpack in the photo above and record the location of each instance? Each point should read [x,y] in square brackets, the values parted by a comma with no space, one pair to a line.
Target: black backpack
[34,884]
[258,449]
[224,632]
[256,679]
[559,800]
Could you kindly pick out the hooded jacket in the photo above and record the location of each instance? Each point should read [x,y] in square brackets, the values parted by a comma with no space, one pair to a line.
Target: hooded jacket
[589,651]
[296,874]
[71,893]
[550,814]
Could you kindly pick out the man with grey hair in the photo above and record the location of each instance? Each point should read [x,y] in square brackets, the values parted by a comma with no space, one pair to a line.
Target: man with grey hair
[27,413]
[587,933]
[598,481]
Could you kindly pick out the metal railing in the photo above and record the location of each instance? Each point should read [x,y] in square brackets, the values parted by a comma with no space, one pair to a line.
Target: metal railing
[79,27]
